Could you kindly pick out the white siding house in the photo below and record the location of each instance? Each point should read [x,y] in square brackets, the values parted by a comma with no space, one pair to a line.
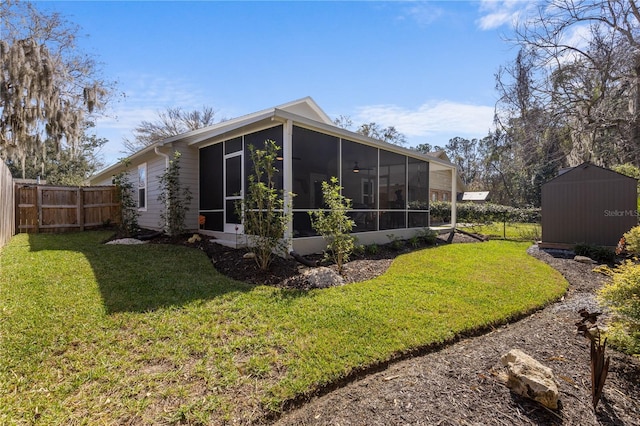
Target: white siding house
[389,185]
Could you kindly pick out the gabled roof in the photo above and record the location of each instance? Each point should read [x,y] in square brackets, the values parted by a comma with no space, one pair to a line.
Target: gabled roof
[587,171]
[305,107]
[303,112]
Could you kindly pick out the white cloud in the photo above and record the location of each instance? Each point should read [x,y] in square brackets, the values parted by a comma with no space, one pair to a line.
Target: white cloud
[424,13]
[496,13]
[431,119]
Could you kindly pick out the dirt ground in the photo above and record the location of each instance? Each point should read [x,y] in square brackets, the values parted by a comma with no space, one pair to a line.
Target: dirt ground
[459,384]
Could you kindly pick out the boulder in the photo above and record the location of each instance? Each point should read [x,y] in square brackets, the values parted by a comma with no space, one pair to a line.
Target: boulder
[322,277]
[127,241]
[585,259]
[194,238]
[529,378]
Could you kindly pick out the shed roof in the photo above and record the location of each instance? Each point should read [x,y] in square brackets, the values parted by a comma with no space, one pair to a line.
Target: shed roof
[475,196]
[587,171]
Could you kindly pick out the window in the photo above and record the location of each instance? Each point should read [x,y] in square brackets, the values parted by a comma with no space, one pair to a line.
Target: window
[360,174]
[418,185]
[142,186]
[212,187]
[257,139]
[314,160]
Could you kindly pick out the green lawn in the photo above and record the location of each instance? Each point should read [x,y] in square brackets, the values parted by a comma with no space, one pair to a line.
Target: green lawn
[96,334]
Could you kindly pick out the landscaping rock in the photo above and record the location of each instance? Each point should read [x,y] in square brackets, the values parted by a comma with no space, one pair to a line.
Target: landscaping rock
[322,278]
[585,259]
[194,238]
[249,255]
[127,241]
[529,378]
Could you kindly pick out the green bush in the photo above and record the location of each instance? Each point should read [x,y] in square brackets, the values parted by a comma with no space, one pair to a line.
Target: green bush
[632,240]
[372,249]
[597,253]
[428,236]
[174,198]
[128,205]
[395,243]
[622,296]
[263,208]
[335,225]
[484,213]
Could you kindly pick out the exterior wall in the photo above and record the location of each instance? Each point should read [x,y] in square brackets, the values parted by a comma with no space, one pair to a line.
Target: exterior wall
[440,180]
[150,217]
[588,205]
[189,178]
[440,185]
[439,195]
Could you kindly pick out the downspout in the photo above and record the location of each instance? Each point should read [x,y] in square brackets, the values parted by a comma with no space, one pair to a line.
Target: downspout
[162,154]
[454,197]
[166,167]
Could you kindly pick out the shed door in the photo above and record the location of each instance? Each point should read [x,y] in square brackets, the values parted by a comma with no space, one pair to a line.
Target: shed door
[234,192]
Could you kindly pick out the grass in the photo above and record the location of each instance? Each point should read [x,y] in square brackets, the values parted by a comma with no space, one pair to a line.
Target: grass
[93,333]
[508,231]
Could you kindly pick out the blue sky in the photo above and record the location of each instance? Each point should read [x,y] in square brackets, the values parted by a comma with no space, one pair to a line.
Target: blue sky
[425,67]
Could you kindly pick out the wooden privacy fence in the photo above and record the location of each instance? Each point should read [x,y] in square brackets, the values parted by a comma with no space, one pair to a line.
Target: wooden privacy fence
[7,218]
[43,208]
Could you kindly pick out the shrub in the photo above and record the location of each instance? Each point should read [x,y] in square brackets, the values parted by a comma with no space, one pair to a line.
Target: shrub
[128,206]
[485,213]
[622,296]
[632,240]
[334,224]
[372,249]
[262,209]
[597,253]
[395,242]
[428,236]
[174,197]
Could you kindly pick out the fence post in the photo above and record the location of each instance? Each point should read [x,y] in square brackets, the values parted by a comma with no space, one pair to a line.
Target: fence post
[80,208]
[39,208]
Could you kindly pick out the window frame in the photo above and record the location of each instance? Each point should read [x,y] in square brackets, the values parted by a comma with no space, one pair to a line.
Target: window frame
[142,187]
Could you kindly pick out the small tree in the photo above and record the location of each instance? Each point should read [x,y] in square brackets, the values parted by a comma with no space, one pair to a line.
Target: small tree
[334,225]
[128,206]
[174,198]
[262,210]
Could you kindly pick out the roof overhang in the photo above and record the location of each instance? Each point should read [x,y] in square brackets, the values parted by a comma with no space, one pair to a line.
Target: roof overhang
[282,114]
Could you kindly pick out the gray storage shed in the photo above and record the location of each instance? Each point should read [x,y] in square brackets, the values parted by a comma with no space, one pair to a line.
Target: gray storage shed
[588,204]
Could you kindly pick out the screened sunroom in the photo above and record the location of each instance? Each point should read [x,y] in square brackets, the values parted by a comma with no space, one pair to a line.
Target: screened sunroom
[388,185]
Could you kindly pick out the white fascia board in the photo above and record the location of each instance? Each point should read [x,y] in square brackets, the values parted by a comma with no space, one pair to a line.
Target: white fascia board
[118,166]
[199,135]
[226,127]
[357,137]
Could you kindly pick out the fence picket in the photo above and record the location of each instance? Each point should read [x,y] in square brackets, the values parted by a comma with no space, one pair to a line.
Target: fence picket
[7,205]
[63,208]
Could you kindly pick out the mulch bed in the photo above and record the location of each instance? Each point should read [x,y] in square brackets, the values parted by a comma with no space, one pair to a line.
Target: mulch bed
[283,272]
[459,384]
